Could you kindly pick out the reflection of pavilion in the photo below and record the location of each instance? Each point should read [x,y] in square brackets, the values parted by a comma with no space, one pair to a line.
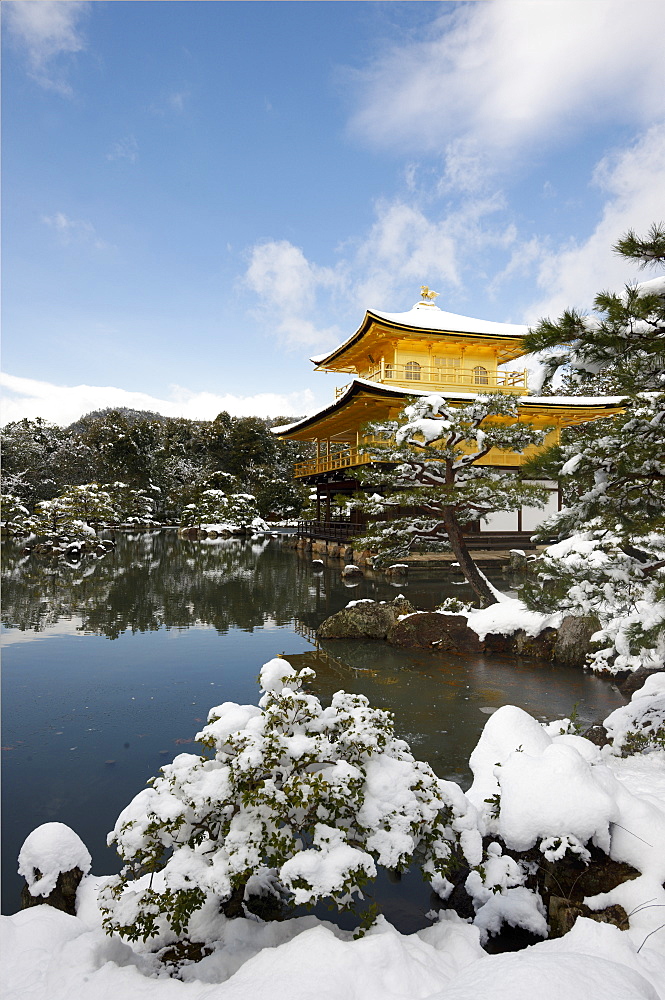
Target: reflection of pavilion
[396,355]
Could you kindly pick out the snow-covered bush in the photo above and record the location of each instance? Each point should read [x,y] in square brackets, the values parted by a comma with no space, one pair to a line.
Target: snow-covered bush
[640,725]
[289,798]
[620,580]
[15,516]
[70,515]
[226,510]
[132,506]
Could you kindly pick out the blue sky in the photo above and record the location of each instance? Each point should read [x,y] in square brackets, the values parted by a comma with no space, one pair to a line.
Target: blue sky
[200,195]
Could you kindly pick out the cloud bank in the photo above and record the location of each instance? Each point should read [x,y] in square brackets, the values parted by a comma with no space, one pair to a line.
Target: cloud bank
[493,78]
[47,31]
[59,404]
[492,87]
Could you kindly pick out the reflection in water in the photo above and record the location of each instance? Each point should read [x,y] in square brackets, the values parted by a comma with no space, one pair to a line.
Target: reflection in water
[156,579]
[441,701]
[87,721]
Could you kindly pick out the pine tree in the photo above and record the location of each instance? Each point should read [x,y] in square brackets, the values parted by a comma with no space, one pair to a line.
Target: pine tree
[624,340]
[435,448]
[610,560]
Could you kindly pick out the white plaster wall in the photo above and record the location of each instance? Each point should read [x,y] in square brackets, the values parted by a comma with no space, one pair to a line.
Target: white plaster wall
[533,517]
[502,520]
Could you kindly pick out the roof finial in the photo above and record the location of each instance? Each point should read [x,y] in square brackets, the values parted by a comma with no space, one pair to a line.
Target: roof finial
[427,295]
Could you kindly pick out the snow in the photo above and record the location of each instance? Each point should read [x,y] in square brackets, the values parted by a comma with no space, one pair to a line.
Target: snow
[51,849]
[645,713]
[576,402]
[655,286]
[507,616]
[547,788]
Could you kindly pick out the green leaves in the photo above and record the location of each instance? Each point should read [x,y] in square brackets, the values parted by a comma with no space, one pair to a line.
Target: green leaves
[309,797]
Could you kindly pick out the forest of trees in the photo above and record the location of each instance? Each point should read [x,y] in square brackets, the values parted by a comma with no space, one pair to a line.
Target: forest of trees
[167,462]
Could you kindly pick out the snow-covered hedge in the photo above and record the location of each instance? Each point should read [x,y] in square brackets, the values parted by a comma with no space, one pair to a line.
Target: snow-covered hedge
[290,796]
[223,511]
[534,785]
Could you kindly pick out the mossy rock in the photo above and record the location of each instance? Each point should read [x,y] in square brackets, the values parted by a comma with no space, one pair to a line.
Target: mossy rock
[430,630]
[365,620]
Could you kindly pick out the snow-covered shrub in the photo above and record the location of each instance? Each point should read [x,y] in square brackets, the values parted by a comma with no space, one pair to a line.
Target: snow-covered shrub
[291,797]
[620,580]
[226,510]
[70,515]
[451,605]
[640,725]
[538,787]
[132,506]
[15,516]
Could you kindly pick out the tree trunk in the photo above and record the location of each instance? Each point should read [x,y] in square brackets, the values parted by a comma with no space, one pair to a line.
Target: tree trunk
[473,576]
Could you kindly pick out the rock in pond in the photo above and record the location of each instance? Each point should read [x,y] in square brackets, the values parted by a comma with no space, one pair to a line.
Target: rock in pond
[573,641]
[364,620]
[430,630]
[351,571]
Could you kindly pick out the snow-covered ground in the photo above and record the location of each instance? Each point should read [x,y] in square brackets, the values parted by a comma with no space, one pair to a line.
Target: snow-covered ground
[533,786]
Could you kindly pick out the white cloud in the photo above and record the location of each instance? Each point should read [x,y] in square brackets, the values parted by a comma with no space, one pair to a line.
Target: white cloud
[61,404]
[492,79]
[633,178]
[74,230]
[404,248]
[287,285]
[46,31]
[126,148]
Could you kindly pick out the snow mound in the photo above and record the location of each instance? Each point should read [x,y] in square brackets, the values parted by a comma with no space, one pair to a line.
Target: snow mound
[51,849]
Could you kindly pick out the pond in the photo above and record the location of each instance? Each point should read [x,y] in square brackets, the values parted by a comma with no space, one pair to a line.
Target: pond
[110,668]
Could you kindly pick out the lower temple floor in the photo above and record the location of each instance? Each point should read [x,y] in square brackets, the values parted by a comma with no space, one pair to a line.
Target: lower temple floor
[499,530]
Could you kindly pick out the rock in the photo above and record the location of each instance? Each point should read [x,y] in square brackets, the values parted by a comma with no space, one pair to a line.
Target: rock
[351,570]
[518,559]
[63,897]
[317,564]
[573,642]
[364,620]
[634,681]
[429,630]
[597,734]
[399,570]
[563,913]
[497,644]
[540,646]
[574,880]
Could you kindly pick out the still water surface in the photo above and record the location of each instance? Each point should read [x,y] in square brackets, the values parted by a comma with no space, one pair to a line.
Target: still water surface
[110,668]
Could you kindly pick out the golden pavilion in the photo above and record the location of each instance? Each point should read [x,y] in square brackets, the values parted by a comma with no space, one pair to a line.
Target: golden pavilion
[393,356]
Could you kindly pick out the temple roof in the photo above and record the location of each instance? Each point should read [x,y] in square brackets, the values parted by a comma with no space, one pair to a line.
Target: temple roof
[426,318]
[582,405]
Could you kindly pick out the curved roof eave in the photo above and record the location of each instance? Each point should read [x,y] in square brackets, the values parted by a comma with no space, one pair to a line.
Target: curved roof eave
[359,384]
[424,320]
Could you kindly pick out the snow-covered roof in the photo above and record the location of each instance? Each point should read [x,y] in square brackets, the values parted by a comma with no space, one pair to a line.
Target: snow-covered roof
[429,317]
[357,384]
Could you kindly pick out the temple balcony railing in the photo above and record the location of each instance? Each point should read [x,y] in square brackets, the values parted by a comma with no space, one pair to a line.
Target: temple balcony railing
[342,459]
[347,458]
[417,376]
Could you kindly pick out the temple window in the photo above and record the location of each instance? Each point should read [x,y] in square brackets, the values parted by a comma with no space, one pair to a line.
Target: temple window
[412,371]
[480,376]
